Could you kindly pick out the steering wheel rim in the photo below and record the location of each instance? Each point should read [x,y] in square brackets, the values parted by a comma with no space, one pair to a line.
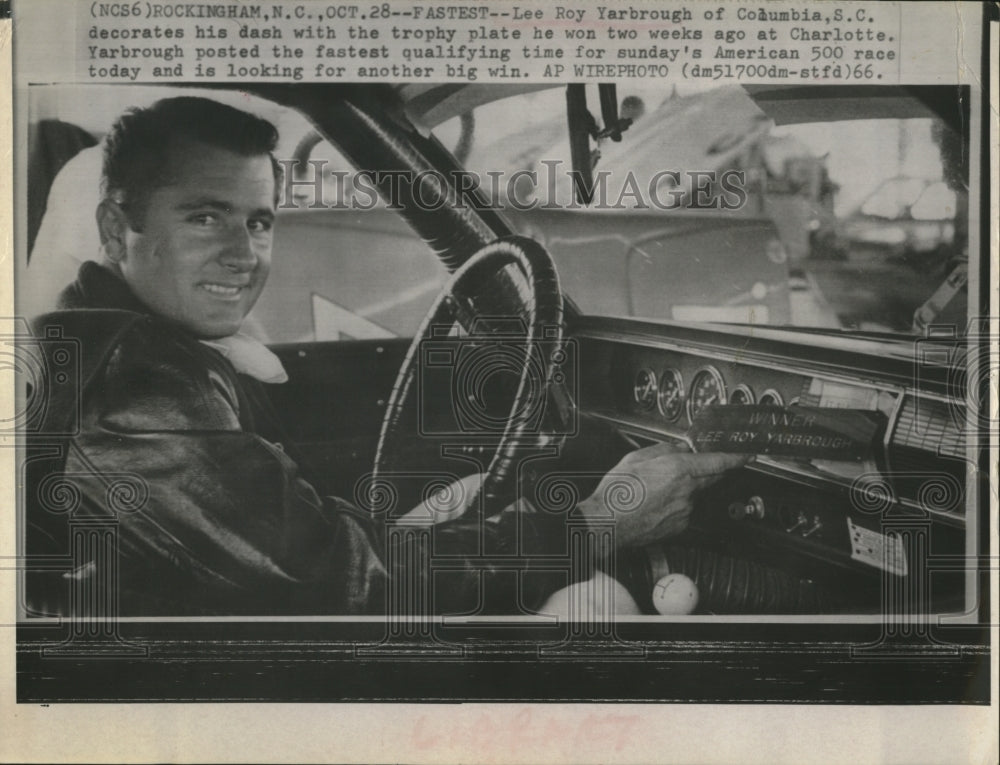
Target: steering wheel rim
[543,352]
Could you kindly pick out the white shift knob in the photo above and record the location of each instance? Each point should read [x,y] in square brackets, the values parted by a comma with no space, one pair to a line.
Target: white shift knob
[675,594]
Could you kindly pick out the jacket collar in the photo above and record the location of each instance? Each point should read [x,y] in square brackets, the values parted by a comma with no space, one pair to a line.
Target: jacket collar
[97,286]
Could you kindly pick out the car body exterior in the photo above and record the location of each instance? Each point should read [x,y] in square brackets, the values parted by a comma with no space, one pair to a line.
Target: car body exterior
[905,219]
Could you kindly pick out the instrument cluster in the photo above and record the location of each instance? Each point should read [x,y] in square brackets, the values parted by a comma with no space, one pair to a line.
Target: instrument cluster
[667,392]
[653,389]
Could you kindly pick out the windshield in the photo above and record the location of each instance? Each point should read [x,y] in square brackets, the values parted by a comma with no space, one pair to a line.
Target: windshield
[706,210]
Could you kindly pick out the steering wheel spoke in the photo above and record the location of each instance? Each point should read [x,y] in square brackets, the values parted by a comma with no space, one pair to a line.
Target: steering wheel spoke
[499,368]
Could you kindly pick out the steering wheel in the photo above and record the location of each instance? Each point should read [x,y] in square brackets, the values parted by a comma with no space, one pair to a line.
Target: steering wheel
[524,343]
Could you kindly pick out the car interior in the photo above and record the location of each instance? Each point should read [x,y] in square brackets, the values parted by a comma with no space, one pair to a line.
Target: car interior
[577,377]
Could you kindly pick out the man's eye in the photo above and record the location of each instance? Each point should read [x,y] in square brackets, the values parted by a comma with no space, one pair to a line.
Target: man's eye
[204,219]
[260,226]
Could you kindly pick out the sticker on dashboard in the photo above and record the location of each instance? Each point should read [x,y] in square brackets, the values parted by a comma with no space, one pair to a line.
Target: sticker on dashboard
[808,432]
[883,551]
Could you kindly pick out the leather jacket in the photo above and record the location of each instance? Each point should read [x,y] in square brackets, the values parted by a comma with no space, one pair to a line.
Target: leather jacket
[158,443]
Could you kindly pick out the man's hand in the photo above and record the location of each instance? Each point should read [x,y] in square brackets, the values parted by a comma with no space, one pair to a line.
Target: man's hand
[648,495]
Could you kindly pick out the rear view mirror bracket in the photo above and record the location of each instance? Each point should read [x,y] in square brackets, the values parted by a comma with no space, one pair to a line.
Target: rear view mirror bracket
[583,128]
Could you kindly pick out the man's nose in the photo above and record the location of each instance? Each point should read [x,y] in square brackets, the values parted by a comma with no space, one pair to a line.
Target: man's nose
[239,253]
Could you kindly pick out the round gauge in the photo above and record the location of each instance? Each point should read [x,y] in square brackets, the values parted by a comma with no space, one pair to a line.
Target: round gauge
[707,388]
[771,397]
[741,394]
[644,389]
[670,400]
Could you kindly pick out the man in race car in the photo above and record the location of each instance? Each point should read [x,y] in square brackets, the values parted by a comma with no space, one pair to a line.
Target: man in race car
[222,518]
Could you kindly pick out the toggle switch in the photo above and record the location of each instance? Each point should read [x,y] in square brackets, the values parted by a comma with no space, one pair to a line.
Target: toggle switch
[800,521]
[817,524]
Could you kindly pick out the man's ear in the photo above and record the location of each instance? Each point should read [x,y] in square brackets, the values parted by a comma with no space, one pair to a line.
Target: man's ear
[112,225]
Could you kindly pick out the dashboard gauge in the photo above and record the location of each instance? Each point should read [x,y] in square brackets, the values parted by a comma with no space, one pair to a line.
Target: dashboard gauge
[771,397]
[644,389]
[741,394]
[670,400]
[707,388]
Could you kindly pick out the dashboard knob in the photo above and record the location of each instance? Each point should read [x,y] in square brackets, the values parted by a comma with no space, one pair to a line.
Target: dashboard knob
[675,594]
[752,508]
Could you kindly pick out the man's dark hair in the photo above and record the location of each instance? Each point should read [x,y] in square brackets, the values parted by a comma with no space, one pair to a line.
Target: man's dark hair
[137,149]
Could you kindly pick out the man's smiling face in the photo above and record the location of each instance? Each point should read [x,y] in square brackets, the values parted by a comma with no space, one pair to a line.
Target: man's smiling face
[203,253]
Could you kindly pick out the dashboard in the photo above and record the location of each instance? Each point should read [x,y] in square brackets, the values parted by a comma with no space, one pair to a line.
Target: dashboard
[848,524]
